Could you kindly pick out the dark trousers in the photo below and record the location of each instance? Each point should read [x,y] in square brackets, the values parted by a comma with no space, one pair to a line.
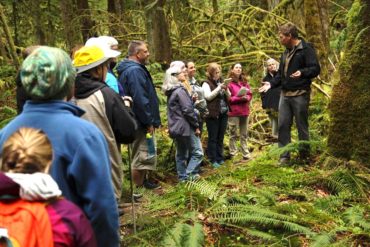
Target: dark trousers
[297,107]
[216,128]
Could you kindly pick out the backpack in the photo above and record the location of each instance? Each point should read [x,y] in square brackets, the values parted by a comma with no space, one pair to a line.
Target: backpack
[24,224]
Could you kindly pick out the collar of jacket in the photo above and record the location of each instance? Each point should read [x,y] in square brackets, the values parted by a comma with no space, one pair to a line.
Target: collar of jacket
[53,106]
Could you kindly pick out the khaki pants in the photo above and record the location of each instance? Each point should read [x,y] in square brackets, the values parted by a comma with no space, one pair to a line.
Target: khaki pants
[140,157]
[242,123]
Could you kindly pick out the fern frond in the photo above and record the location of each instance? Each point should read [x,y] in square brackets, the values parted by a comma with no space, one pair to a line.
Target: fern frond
[355,216]
[344,180]
[323,239]
[252,209]
[244,219]
[176,236]
[331,203]
[185,235]
[263,196]
[246,214]
[205,188]
[195,236]
[260,234]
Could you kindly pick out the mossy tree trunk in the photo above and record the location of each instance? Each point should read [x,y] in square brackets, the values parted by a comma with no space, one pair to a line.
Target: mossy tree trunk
[157,31]
[115,15]
[317,31]
[68,15]
[87,23]
[9,37]
[39,20]
[349,133]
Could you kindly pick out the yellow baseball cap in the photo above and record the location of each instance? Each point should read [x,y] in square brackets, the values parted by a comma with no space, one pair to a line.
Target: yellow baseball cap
[89,57]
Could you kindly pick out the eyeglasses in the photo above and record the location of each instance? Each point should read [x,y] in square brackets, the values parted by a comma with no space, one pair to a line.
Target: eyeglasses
[176,74]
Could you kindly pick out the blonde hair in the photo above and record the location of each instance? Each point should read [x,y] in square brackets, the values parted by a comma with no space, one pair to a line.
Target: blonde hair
[211,69]
[271,61]
[27,150]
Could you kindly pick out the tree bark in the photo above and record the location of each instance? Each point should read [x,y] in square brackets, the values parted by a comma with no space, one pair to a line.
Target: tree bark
[15,24]
[87,24]
[68,14]
[317,31]
[349,133]
[38,17]
[114,6]
[215,6]
[9,38]
[157,32]
[115,14]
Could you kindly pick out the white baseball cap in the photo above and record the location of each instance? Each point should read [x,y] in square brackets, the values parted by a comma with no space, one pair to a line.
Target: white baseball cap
[103,42]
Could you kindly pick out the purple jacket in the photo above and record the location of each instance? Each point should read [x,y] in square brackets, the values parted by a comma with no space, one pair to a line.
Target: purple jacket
[180,112]
[239,106]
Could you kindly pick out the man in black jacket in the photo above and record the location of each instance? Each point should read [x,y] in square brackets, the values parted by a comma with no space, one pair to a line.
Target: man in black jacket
[298,65]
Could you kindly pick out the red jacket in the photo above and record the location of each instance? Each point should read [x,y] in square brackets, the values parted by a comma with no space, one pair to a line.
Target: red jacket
[239,106]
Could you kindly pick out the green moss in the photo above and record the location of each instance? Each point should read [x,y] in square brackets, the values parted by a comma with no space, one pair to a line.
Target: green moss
[349,133]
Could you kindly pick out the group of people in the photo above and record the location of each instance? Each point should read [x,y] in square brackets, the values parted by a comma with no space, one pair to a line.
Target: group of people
[215,101]
[85,122]
[78,113]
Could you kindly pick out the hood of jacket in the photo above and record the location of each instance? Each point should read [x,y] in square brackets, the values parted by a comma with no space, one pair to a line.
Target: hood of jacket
[86,85]
[171,90]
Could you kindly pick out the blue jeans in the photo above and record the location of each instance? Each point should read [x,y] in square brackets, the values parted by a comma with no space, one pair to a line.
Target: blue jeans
[216,131]
[189,155]
[297,107]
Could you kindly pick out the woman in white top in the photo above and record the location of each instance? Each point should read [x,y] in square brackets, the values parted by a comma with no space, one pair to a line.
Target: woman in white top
[216,95]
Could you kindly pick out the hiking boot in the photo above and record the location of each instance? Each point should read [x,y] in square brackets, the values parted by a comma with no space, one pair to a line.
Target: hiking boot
[151,186]
[137,196]
[215,165]
[247,157]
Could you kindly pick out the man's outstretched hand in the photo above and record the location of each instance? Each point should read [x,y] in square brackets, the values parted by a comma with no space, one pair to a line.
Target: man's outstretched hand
[266,86]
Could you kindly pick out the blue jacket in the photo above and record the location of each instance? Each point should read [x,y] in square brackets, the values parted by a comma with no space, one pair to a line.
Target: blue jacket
[81,164]
[180,112]
[137,83]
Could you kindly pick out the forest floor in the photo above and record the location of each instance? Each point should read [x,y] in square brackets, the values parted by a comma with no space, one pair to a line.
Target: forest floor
[255,203]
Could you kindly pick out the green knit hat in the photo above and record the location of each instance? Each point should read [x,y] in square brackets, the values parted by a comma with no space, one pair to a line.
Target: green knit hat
[48,73]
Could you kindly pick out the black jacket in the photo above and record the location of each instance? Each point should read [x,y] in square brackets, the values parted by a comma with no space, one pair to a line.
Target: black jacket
[270,99]
[304,60]
[120,117]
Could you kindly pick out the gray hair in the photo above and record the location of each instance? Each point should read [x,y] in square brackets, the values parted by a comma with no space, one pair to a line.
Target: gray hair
[170,80]
[134,47]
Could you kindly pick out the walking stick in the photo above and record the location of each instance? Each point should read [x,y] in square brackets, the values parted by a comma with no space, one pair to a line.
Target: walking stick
[132,189]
